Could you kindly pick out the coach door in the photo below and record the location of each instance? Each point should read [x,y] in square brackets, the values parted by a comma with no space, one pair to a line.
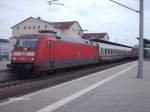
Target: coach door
[50,49]
[50,45]
[97,51]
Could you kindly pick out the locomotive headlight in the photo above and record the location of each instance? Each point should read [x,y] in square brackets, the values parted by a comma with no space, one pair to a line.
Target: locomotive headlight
[14,58]
[32,59]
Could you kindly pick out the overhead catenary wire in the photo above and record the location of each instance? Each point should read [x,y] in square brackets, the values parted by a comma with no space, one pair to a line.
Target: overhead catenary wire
[13,9]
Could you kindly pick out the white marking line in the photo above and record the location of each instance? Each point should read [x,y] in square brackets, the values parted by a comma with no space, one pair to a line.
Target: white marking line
[11,100]
[66,100]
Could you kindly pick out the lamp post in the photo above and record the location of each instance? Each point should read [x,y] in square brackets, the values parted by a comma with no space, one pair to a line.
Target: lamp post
[140,63]
[141,22]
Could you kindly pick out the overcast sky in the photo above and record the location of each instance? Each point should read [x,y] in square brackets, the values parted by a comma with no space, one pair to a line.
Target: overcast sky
[93,15]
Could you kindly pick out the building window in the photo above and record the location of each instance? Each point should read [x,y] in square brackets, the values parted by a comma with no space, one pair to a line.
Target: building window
[29,27]
[38,27]
[73,29]
[24,27]
[33,27]
[45,26]
[17,28]
[105,51]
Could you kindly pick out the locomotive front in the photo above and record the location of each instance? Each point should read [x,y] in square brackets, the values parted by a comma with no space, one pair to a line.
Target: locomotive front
[23,56]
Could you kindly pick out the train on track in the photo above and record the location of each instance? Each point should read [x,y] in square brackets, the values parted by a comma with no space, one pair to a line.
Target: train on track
[46,52]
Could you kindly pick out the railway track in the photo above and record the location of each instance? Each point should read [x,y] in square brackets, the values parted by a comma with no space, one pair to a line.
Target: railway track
[12,88]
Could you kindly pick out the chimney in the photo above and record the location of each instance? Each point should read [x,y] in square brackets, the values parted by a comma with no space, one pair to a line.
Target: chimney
[38,18]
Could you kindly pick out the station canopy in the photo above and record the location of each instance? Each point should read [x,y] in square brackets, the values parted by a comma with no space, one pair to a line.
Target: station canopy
[146,43]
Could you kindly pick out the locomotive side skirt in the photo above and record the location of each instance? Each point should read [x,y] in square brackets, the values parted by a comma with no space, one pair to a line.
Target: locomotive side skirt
[50,65]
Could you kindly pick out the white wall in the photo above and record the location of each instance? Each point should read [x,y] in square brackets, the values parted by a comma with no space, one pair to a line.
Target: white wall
[73,31]
[27,27]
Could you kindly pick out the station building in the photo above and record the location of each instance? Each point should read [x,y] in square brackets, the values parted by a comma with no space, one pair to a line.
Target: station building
[4,49]
[32,25]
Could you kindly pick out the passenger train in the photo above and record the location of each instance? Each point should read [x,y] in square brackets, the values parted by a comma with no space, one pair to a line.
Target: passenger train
[46,52]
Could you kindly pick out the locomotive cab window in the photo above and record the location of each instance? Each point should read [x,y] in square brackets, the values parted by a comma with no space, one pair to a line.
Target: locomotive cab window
[48,43]
[28,43]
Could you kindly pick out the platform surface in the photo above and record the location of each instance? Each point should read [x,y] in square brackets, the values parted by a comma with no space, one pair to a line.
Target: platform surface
[3,65]
[112,90]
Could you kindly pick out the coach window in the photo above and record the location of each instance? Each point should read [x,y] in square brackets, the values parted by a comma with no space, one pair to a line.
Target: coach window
[24,27]
[105,51]
[45,26]
[102,50]
[48,43]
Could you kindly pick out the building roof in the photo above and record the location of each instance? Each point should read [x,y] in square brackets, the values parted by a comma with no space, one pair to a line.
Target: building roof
[111,43]
[4,41]
[30,18]
[61,25]
[65,25]
[146,42]
[94,35]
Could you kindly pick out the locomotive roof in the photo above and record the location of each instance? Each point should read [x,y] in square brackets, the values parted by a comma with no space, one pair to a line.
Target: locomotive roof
[111,43]
[58,37]
[29,36]
[72,39]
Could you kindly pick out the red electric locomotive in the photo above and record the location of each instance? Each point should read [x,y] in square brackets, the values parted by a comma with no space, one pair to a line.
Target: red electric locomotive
[45,52]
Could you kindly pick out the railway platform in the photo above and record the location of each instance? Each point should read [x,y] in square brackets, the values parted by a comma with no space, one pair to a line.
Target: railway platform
[3,65]
[112,90]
